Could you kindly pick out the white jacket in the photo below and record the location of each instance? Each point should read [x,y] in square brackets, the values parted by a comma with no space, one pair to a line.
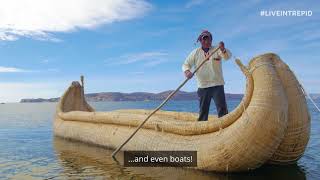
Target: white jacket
[210,74]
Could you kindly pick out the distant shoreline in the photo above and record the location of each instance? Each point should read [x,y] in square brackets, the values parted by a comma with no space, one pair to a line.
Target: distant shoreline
[140,96]
[135,96]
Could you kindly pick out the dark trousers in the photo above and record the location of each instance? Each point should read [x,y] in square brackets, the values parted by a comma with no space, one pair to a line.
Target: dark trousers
[205,96]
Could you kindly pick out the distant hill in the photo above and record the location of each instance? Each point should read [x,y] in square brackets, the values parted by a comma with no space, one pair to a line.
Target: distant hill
[36,100]
[136,96]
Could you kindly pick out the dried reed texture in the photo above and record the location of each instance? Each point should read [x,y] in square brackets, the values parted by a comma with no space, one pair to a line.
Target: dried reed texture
[297,135]
[262,128]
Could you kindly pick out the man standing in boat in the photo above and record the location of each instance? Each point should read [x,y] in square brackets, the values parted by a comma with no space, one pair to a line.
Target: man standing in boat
[209,77]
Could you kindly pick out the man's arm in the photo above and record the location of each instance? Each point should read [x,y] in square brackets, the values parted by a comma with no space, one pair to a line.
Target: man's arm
[188,64]
[226,54]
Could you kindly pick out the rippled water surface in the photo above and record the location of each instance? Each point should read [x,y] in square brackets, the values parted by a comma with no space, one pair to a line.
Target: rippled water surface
[28,149]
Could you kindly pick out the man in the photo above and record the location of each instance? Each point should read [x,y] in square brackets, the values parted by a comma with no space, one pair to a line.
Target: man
[209,76]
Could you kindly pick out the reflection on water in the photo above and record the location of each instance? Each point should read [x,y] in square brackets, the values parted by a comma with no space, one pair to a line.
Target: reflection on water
[83,160]
[28,149]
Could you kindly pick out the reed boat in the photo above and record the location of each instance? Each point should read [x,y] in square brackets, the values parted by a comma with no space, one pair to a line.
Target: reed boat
[271,124]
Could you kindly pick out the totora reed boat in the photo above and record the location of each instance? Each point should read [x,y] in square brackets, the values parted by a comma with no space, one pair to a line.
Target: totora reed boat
[270,125]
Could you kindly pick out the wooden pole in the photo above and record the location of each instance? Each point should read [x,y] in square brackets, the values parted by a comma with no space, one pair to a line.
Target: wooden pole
[82,79]
[82,88]
[163,103]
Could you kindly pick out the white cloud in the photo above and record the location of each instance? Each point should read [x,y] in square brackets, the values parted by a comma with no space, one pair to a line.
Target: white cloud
[138,73]
[7,37]
[192,3]
[39,18]
[140,57]
[4,69]
[10,69]
[155,62]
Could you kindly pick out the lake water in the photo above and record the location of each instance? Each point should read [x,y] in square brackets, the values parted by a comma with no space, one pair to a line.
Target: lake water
[28,149]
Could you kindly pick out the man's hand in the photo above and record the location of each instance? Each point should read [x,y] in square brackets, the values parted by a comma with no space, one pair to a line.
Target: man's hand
[221,46]
[188,74]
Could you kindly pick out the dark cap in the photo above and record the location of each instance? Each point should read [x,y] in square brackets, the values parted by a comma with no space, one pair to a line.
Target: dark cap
[204,33]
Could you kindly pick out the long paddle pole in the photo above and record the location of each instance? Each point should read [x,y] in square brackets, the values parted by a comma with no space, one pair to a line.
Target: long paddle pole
[163,103]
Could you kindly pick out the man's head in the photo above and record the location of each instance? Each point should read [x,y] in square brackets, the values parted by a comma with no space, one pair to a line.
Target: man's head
[205,39]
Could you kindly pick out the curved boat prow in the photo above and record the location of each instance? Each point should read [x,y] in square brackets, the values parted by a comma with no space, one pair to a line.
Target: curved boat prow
[74,99]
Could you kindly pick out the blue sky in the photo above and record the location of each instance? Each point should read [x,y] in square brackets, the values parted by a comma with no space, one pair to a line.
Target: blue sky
[131,46]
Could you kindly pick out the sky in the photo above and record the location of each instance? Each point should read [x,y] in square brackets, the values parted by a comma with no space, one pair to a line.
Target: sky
[140,45]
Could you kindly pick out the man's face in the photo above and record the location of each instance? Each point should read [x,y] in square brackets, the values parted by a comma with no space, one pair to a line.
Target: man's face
[206,42]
